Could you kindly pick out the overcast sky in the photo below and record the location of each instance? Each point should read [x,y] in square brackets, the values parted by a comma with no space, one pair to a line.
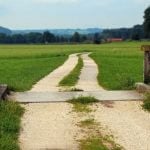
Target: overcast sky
[42,14]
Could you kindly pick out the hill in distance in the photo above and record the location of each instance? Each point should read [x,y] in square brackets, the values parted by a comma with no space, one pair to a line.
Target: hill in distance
[54,31]
[61,31]
[5,30]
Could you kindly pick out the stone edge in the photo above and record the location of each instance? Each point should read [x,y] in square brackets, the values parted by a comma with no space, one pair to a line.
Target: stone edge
[142,88]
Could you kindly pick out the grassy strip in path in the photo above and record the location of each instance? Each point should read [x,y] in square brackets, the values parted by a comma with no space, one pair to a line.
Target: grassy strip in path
[72,78]
[10,118]
[93,138]
[99,142]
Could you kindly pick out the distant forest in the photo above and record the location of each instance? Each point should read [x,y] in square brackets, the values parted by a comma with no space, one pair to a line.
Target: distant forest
[135,33]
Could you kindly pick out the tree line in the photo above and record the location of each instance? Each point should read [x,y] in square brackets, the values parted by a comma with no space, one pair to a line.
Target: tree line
[137,32]
[45,38]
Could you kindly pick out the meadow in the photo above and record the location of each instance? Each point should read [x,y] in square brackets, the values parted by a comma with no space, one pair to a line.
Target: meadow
[10,118]
[120,64]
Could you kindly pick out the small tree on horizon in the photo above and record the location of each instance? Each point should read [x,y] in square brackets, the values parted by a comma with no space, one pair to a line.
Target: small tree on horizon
[76,37]
[48,37]
[96,38]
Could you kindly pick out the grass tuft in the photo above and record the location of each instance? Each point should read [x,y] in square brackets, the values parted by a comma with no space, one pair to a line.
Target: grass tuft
[126,83]
[81,104]
[87,123]
[99,143]
[72,78]
[146,103]
[10,118]
[92,144]
[78,107]
[84,100]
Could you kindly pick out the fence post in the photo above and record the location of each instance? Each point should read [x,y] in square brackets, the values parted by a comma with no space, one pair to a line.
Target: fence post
[146,49]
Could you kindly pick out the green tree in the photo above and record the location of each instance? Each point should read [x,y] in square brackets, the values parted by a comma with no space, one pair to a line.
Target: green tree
[147,22]
[96,39]
[48,37]
[18,38]
[137,32]
[76,37]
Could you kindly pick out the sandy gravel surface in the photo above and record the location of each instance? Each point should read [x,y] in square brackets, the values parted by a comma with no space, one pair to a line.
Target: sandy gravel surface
[48,126]
[88,77]
[51,81]
[128,123]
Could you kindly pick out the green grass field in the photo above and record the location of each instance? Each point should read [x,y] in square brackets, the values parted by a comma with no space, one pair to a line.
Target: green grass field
[120,64]
[10,118]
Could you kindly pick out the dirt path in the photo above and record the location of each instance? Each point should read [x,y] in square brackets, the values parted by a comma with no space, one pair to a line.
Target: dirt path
[51,81]
[129,124]
[88,78]
[48,126]
[53,126]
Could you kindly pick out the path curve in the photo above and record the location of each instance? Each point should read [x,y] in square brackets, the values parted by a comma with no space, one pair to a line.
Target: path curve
[51,81]
[88,77]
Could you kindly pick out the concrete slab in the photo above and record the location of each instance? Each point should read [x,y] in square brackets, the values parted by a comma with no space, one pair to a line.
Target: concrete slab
[88,77]
[44,97]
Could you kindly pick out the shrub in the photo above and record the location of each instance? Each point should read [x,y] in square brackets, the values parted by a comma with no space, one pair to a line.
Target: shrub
[146,103]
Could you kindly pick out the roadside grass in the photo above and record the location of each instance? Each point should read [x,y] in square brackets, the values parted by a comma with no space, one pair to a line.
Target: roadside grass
[72,78]
[10,119]
[21,74]
[146,103]
[81,104]
[120,64]
[21,66]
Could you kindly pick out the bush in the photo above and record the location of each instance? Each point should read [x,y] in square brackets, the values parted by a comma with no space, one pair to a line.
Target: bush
[126,83]
[146,103]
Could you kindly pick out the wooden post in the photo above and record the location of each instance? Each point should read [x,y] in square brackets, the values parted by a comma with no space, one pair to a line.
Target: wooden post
[146,49]
[3,91]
